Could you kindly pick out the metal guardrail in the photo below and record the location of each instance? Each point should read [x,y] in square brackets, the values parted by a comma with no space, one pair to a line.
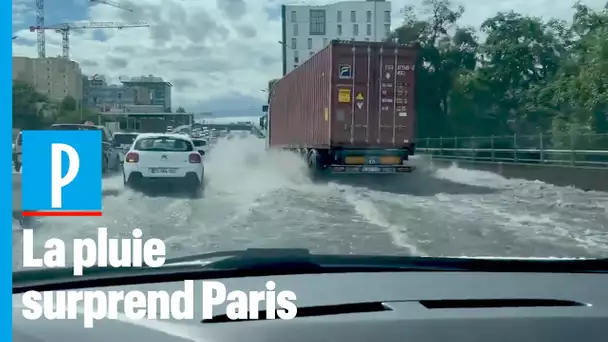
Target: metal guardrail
[586,150]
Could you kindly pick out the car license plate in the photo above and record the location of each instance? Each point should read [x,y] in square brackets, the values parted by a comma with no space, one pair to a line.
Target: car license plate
[370,169]
[162,170]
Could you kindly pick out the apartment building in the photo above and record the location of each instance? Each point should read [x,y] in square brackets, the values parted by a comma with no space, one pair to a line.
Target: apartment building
[150,90]
[104,97]
[138,94]
[307,29]
[55,77]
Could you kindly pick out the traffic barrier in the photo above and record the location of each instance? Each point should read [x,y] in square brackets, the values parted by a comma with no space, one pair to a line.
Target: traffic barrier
[584,151]
[580,161]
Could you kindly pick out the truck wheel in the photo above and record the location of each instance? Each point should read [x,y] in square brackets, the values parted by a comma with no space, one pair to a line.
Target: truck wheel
[315,165]
[104,165]
[117,164]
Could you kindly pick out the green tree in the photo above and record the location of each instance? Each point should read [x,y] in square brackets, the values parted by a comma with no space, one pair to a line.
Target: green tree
[527,76]
[28,107]
[180,109]
[68,104]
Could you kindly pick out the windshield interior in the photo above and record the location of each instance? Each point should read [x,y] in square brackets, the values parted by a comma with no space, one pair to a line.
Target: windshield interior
[163,144]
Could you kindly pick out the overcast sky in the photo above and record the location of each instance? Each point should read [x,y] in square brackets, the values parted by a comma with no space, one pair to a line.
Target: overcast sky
[218,54]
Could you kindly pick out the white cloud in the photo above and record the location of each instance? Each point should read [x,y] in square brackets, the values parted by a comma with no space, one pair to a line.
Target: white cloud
[214,49]
[20,8]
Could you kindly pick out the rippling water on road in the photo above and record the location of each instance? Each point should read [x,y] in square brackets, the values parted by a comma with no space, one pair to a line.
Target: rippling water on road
[259,199]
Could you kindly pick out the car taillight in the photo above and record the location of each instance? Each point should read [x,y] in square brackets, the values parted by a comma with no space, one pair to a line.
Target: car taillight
[132,157]
[194,158]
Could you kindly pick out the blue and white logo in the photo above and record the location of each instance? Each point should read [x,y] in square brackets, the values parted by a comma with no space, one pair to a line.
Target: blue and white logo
[346,71]
[61,172]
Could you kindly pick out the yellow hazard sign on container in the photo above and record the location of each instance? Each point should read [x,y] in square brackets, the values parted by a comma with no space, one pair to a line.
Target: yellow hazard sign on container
[344,95]
[360,96]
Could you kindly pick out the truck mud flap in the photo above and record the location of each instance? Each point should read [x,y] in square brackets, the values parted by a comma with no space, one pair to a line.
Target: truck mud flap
[367,169]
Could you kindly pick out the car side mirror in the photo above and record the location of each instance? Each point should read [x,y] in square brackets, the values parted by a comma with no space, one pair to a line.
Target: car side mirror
[201,152]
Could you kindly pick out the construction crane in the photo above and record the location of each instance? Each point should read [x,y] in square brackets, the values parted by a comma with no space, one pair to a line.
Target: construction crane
[65,29]
[40,36]
[111,3]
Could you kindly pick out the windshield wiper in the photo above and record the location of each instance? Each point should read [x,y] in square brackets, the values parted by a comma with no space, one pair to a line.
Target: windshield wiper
[299,260]
[294,258]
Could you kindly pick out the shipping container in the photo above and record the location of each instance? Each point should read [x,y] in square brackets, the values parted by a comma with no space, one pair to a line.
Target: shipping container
[350,96]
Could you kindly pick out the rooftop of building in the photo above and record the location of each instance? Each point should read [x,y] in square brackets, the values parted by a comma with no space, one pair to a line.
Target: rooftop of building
[144,79]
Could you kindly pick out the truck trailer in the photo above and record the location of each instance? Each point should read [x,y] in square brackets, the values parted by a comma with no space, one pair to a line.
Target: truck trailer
[348,109]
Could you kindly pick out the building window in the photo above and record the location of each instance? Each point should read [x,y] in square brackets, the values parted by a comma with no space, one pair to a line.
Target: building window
[309,43]
[387,29]
[367,39]
[355,29]
[339,17]
[369,29]
[339,30]
[324,41]
[369,16]
[387,16]
[296,56]
[311,53]
[295,66]
[353,16]
[294,43]
[293,16]
[295,29]
[317,22]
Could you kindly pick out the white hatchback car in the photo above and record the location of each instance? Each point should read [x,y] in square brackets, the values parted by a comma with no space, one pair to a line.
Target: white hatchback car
[164,158]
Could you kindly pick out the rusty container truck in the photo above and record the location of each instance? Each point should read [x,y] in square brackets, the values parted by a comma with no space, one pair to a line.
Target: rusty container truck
[348,109]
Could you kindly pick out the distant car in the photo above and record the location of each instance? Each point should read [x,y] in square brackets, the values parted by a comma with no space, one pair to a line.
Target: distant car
[110,158]
[164,158]
[123,142]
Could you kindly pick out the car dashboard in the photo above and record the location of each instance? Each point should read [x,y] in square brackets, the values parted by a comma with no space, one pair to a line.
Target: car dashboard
[363,307]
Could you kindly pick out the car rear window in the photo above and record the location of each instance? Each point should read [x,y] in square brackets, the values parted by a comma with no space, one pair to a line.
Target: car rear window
[164,144]
[124,139]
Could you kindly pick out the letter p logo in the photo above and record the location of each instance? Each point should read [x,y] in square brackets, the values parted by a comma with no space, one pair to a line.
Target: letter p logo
[62,172]
[58,181]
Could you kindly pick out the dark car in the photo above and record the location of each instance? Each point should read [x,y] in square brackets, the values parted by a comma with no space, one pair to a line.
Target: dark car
[110,158]
[17,152]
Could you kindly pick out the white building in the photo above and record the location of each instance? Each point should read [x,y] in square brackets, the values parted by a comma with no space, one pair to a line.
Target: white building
[307,29]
